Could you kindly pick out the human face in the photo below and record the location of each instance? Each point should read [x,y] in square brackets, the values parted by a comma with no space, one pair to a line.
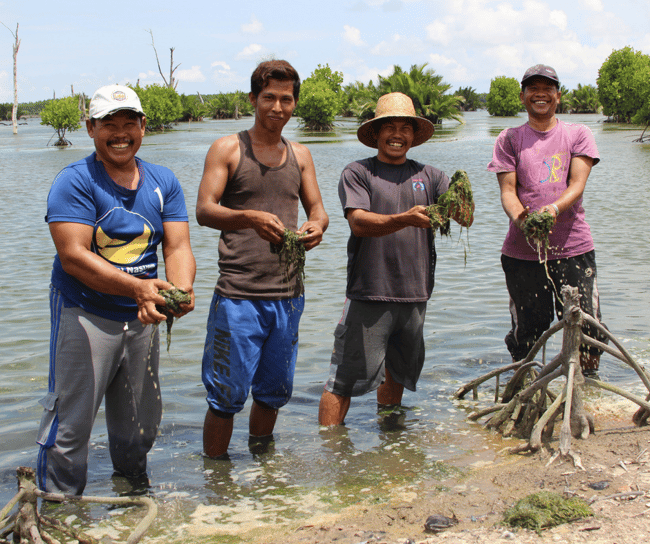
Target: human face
[117,138]
[394,140]
[274,104]
[540,98]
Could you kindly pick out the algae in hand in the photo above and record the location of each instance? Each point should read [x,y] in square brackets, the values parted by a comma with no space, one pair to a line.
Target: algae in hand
[174,297]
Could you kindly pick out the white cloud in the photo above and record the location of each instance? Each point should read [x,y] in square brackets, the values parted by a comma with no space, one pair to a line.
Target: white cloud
[558,19]
[193,75]
[438,32]
[352,35]
[398,45]
[254,27]
[220,64]
[594,5]
[250,52]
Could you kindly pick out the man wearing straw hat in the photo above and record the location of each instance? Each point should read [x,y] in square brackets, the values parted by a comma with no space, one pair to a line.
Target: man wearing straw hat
[379,341]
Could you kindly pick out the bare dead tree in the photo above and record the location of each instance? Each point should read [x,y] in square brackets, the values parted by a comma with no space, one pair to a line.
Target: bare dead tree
[14,109]
[172,83]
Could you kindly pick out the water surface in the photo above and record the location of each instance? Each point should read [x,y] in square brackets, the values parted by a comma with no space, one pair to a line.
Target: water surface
[311,470]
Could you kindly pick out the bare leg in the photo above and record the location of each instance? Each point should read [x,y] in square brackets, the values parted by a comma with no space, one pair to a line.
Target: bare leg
[216,434]
[262,420]
[333,409]
[390,392]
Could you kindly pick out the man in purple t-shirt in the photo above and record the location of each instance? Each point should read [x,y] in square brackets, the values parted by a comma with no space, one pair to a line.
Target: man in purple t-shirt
[543,165]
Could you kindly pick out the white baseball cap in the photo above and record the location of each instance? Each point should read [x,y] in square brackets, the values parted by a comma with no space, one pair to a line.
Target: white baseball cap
[112,98]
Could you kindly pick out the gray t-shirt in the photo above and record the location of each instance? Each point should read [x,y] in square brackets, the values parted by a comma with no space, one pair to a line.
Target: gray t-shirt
[398,267]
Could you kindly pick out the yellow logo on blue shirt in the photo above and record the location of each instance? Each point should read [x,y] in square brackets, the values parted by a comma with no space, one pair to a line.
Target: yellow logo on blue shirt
[117,249]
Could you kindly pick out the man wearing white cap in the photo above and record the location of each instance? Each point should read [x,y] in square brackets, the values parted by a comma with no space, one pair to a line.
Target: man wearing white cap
[107,215]
[379,340]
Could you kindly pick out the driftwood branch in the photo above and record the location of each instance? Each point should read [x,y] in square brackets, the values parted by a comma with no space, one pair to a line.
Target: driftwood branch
[523,411]
[29,526]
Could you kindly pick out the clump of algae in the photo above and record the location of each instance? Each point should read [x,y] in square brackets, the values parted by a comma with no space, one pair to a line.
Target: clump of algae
[458,201]
[537,228]
[545,509]
[291,251]
[174,297]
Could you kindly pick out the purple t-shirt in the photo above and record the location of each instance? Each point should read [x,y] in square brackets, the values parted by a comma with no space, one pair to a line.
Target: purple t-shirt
[541,161]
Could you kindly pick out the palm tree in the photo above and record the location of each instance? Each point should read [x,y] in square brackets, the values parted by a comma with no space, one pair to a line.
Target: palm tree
[426,89]
[585,99]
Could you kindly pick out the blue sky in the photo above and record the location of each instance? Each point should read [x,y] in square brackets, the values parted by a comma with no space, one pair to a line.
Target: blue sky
[218,43]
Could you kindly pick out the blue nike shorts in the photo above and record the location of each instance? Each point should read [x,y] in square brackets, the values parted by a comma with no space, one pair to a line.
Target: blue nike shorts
[250,345]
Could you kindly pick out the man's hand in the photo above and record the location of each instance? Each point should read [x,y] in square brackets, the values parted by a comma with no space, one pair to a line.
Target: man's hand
[146,296]
[267,225]
[521,218]
[311,234]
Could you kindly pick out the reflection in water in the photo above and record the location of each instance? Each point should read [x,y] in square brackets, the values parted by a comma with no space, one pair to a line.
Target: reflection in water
[310,470]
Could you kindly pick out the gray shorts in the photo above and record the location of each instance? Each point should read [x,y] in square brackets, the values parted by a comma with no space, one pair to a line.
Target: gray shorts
[371,337]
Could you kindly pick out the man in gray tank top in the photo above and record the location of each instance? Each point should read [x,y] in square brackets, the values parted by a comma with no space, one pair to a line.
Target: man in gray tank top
[250,189]
[379,340]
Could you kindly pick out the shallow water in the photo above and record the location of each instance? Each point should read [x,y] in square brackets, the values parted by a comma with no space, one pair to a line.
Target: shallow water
[310,470]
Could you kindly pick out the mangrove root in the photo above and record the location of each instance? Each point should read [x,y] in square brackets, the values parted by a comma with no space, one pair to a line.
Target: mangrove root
[523,409]
[28,525]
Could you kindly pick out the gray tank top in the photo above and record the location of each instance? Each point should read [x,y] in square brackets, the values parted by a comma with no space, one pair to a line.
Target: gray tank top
[247,268]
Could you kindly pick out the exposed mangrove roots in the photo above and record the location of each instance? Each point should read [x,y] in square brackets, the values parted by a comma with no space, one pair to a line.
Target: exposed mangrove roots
[457,201]
[291,252]
[28,525]
[528,409]
[174,297]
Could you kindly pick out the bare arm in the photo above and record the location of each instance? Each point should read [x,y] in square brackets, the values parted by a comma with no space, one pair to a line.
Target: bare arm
[317,219]
[73,242]
[369,224]
[180,266]
[220,163]
[513,207]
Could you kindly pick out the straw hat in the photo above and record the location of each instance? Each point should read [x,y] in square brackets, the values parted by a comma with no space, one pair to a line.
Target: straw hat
[394,105]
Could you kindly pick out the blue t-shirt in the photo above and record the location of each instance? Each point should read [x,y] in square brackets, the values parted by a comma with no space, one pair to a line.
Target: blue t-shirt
[127,223]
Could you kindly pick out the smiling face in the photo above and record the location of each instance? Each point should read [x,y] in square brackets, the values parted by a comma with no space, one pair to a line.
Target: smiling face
[117,138]
[540,97]
[274,104]
[394,140]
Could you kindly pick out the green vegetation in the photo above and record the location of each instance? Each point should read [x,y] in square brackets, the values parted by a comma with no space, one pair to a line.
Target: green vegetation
[623,88]
[320,99]
[161,105]
[503,98]
[174,297]
[292,251]
[545,509]
[471,100]
[193,108]
[5,112]
[228,105]
[458,199]
[62,115]
[426,89]
[584,99]
[536,228]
